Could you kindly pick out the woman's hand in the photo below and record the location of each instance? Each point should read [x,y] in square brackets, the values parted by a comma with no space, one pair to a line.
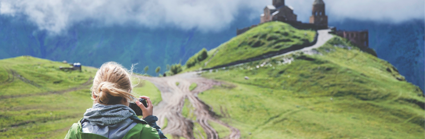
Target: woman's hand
[146,110]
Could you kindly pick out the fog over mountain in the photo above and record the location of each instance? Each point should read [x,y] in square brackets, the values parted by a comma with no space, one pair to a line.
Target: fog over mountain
[156,33]
[57,16]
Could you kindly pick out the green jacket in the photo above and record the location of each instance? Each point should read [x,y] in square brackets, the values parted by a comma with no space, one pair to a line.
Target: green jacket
[141,130]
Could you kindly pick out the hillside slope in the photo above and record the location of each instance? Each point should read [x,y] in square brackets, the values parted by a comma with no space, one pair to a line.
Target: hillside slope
[265,38]
[37,100]
[338,92]
[402,44]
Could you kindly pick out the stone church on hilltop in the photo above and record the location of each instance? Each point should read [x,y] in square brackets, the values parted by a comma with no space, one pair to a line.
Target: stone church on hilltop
[318,14]
[278,11]
[281,12]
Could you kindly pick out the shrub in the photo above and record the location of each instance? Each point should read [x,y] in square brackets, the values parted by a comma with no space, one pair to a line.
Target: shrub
[191,62]
[198,57]
[146,69]
[158,69]
[202,55]
[175,69]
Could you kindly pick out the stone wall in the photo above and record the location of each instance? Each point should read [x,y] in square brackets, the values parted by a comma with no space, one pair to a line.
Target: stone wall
[360,38]
[278,3]
[243,30]
[266,16]
[285,14]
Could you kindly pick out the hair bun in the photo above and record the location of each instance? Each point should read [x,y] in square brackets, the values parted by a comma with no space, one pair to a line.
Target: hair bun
[111,84]
[106,90]
[105,86]
[109,94]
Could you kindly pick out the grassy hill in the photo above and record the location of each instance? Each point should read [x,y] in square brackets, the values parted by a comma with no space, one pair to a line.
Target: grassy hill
[341,92]
[37,100]
[268,37]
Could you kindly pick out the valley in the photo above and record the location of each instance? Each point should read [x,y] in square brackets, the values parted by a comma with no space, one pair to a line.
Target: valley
[330,89]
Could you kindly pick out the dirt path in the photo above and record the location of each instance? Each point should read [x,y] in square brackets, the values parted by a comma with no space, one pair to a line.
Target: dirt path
[322,38]
[173,97]
[170,108]
[23,79]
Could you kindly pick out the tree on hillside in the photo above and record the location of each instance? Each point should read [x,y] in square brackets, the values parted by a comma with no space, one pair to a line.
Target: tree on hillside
[202,55]
[197,58]
[191,62]
[175,69]
[158,69]
[146,69]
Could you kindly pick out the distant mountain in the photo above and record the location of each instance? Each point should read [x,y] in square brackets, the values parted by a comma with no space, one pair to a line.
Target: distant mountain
[300,95]
[400,44]
[92,45]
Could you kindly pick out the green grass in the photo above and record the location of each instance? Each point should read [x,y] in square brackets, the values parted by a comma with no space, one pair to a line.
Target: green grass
[201,64]
[268,37]
[43,116]
[342,93]
[193,86]
[221,130]
[45,76]
[30,109]
[165,124]
[146,88]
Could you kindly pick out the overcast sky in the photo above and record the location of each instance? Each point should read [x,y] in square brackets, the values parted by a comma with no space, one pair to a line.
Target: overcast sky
[206,15]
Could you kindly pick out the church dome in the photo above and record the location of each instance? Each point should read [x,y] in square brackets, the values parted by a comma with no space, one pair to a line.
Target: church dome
[317,2]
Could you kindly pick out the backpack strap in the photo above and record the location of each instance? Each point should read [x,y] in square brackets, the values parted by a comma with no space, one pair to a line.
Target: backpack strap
[138,120]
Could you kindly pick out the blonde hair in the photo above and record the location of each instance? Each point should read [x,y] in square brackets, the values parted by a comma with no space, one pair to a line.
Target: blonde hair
[112,84]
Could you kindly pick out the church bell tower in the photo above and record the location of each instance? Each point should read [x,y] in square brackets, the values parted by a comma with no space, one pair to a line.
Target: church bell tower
[319,17]
[278,3]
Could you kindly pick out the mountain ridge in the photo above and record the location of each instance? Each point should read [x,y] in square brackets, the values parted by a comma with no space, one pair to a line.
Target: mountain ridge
[93,45]
[338,91]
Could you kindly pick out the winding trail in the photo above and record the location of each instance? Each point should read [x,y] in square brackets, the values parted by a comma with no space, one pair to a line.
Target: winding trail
[173,97]
[323,37]
[170,108]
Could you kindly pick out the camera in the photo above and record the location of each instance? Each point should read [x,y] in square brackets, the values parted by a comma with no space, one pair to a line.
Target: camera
[137,108]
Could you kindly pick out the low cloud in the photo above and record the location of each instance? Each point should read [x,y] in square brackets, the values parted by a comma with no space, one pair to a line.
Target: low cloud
[205,15]
[377,10]
[58,15]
